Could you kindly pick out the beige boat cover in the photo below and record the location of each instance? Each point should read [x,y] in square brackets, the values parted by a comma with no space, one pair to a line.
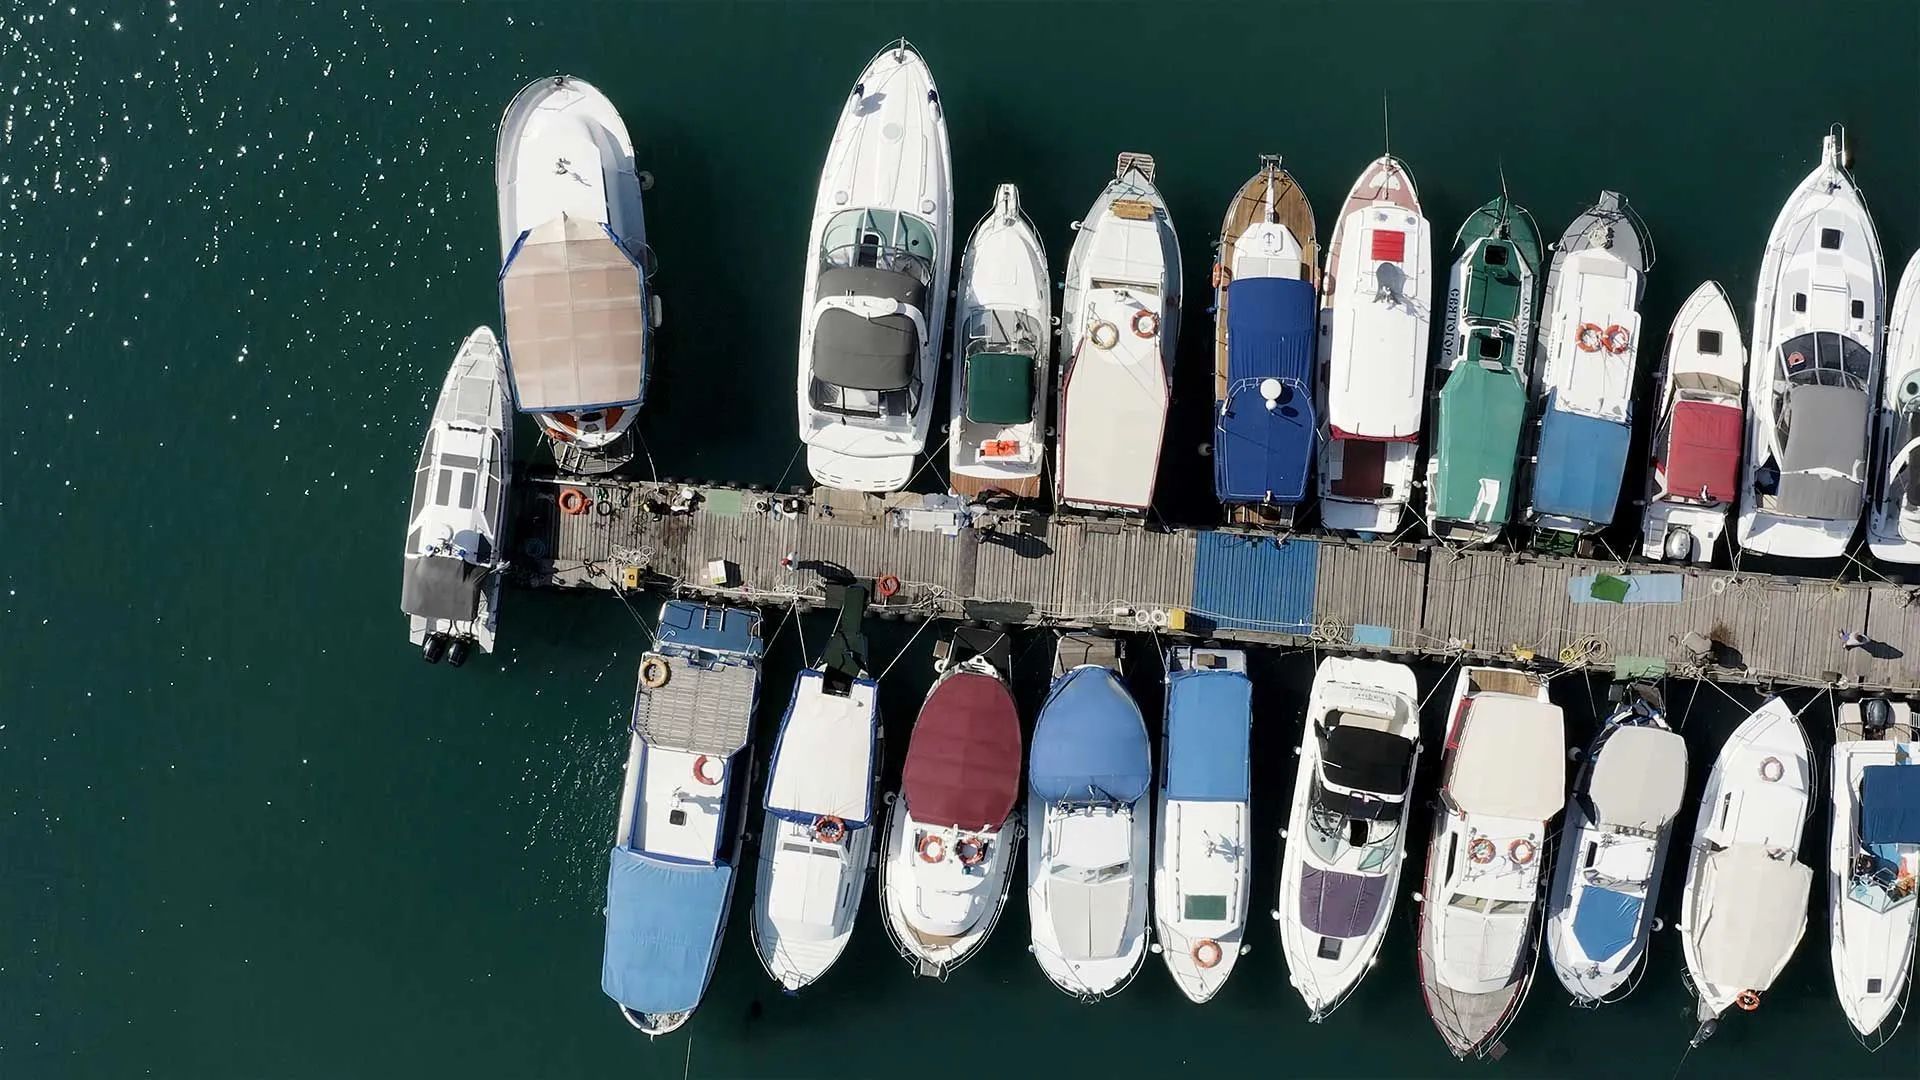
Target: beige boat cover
[1756,917]
[1512,759]
[576,318]
[1639,777]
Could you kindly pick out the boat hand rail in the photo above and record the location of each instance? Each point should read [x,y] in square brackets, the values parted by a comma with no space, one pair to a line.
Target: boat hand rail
[888,257]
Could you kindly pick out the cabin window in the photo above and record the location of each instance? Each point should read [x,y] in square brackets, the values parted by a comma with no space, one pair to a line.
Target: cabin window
[1799,301]
[1496,255]
[493,495]
[420,488]
[1830,239]
[1329,948]
[1709,342]
[1873,986]
[676,816]
[467,481]
[1593,852]
[445,489]
[1453,849]
[1489,348]
[1859,309]
[1206,908]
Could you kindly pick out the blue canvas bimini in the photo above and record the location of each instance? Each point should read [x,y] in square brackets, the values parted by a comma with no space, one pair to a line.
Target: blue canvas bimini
[1890,805]
[1209,715]
[1261,454]
[663,925]
[1090,744]
[1581,460]
[1605,921]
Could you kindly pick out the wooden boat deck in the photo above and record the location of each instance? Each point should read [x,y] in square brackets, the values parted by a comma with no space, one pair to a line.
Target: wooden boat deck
[1338,595]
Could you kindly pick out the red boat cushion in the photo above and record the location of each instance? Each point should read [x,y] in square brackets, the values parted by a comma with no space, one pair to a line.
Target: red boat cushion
[1703,451]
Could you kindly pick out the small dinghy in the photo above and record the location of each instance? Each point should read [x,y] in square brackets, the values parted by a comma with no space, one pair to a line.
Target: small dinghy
[1818,312]
[450,573]
[1263,342]
[1376,311]
[954,828]
[1744,908]
[683,811]
[1204,834]
[816,840]
[1346,837]
[873,312]
[1873,859]
[1504,778]
[1893,530]
[576,308]
[1612,850]
[1088,851]
[1583,382]
[1697,432]
[1119,320]
[1003,320]
[1480,406]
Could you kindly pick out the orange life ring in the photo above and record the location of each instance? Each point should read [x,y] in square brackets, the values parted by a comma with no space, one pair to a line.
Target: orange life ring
[1481,850]
[972,851]
[1796,358]
[574,501]
[1207,953]
[1772,769]
[654,672]
[886,585]
[1748,1000]
[1521,851]
[1590,338]
[1219,275]
[700,771]
[1145,323]
[829,829]
[932,848]
[1617,339]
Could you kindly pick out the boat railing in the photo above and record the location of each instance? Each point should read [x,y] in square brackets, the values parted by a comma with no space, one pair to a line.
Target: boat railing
[889,257]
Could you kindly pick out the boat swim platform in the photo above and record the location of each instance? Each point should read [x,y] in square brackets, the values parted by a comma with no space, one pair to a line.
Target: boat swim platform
[1401,601]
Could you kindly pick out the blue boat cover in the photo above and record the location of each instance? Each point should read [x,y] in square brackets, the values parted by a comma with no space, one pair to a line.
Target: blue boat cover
[1890,804]
[1090,744]
[727,629]
[1581,461]
[1209,714]
[1263,454]
[663,925]
[1605,922]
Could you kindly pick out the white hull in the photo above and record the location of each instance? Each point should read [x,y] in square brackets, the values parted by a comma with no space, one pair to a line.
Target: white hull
[1872,927]
[1003,279]
[939,947]
[1893,530]
[889,155]
[795,957]
[1712,378]
[1093,978]
[1795,266]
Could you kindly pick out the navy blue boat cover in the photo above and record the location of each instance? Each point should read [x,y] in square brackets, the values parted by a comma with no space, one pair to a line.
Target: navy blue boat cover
[1090,744]
[1890,804]
[714,627]
[1605,921]
[1581,461]
[1209,714]
[663,924]
[1262,454]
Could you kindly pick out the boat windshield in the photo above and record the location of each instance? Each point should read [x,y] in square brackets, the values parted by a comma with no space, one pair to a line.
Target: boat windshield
[1093,875]
[1333,830]
[880,239]
[1824,358]
[1481,905]
[871,404]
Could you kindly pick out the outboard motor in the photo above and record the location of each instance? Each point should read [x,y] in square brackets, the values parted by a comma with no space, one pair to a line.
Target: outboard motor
[1679,544]
[433,648]
[457,651]
[1876,716]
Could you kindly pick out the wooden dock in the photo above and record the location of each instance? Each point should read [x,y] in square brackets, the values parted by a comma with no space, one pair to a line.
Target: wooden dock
[1404,601]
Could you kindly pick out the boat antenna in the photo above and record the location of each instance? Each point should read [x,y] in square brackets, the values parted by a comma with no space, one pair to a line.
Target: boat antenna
[1386,124]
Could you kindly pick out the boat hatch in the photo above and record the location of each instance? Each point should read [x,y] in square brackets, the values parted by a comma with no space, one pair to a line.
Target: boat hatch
[1389,245]
[1208,907]
[1363,470]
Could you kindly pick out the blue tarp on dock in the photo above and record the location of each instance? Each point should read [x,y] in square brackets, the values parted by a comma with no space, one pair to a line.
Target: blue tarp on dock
[1251,583]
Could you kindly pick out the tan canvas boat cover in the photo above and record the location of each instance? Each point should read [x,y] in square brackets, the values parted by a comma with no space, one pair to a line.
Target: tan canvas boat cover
[1758,913]
[575,318]
[1512,760]
[1639,777]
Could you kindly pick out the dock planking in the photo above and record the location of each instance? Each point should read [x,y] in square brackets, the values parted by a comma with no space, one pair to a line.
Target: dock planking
[1334,594]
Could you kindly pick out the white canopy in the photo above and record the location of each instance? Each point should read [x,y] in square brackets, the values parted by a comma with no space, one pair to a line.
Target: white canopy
[575,318]
[1512,760]
[1639,777]
[1758,912]
[823,763]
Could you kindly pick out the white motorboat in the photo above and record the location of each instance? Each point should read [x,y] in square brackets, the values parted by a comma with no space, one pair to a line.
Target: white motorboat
[1003,356]
[1346,836]
[450,572]
[873,313]
[1818,313]
[816,840]
[1119,322]
[577,310]
[683,811]
[1504,778]
[1893,528]
[1088,855]
[1744,908]
[1697,432]
[1873,858]
[1613,848]
[953,830]
[1203,856]
[1583,374]
[1376,313]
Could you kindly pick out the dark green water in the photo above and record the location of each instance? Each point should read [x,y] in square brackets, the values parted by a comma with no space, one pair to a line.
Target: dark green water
[244,832]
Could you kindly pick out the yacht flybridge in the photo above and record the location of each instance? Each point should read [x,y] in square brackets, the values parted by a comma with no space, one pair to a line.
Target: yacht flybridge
[1818,314]
[577,311]
[1376,312]
[450,574]
[1893,528]
[873,312]
[1697,432]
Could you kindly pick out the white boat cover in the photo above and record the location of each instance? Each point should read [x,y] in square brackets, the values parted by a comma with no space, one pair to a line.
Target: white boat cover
[823,763]
[1639,778]
[575,318]
[1511,761]
[1758,914]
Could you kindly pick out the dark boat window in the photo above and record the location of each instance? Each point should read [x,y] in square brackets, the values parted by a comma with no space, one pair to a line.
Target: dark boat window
[1799,301]
[1710,342]
[1489,348]
[1830,239]
[1496,255]
[1329,948]
[493,495]
[446,488]
[1859,309]
[1453,849]
[466,490]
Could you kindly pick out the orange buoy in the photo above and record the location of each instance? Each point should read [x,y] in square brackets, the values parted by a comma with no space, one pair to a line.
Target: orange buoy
[886,585]
[972,851]
[829,829]
[700,771]
[1481,850]
[1521,851]
[1207,952]
[1617,339]
[574,501]
[1748,1000]
[1590,338]
[1772,769]
[1145,323]
[932,848]
[654,672]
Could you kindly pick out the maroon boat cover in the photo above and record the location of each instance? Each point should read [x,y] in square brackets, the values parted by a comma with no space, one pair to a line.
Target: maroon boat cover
[1703,452]
[963,762]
